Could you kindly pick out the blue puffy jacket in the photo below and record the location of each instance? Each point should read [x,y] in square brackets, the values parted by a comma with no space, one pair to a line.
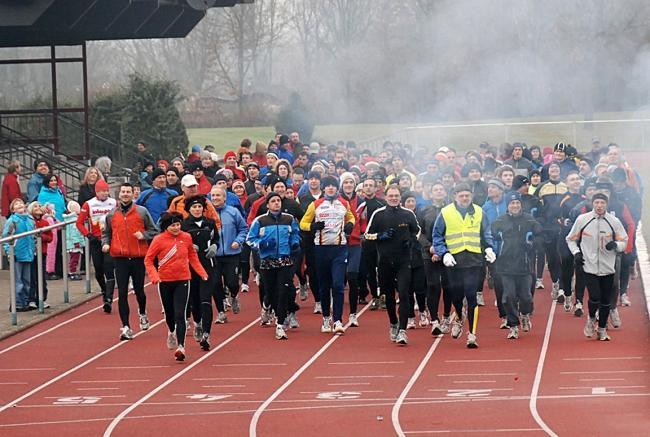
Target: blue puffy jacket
[233,229]
[492,211]
[24,247]
[56,198]
[34,186]
[274,235]
[155,201]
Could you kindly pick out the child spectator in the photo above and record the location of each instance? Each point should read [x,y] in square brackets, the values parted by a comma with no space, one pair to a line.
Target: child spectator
[49,215]
[74,241]
[36,211]
[24,247]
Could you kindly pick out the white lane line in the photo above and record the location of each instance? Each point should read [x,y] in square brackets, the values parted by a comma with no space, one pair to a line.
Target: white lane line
[97,388]
[601,379]
[47,331]
[235,379]
[248,364]
[74,369]
[114,381]
[532,404]
[224,386]
[456,388]
[349,383]
[356,391]
[59,397]
[355,376]
[601,358]
[252,427]
[129,367]
[394,415]
[144,398]
[352,363]
[13,383]
[598,372]
[36,369]
[476,374]
[514,360]
[609,386]
[481,431]
[473,381]
[644,264]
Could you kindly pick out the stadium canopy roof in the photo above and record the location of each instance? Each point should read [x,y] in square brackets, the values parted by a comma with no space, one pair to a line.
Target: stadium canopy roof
[71,22]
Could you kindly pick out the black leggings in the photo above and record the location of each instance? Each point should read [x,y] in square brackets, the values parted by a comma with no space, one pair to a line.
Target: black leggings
[312,265]
[133,268]
[104,273]
[276,285]
[174,296]
[245,263]
[464,283]
[601,293]
[225,276]
[437,284]
[369,260]
[396,274]
[200,299]
[417,290]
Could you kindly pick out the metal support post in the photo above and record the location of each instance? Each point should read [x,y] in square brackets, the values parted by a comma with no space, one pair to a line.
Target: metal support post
[12,284]
[39,272]
[64,261]
[87,256]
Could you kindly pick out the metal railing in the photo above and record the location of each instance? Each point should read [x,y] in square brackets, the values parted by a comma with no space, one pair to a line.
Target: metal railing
[38,233]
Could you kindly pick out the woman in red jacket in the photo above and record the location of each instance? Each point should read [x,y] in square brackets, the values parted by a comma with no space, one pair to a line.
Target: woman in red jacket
[173,248]
[10,187]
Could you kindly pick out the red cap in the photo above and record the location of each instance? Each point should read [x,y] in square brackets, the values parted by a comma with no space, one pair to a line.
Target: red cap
[101,185]
[228,154]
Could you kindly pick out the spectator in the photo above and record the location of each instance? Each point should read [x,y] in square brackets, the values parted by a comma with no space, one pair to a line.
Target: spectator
[52,195]
[87,186]
[156,198]
[74,241]
[41,169]
[143,156]
[11,187]
[173,180]
[24,248]
[37,211]
[195,155]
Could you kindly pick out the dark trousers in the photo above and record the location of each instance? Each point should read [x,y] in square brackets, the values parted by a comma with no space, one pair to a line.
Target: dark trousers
[245,263]
[464,283]
[437,284]
[540,259]
[418,290]
[517,296]
[133,268]
[498,289]
[226,273]
[174,296]
[627,262]
[33,293]
[354,263]
[601,293]
[312,266]
[104,270]
[201,299]
[332,263]
[395,273]
[276,285]
[552,255]
[58,262]
[369,259]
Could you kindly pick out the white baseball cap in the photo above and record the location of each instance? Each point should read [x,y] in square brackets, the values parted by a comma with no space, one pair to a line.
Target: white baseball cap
[188,181]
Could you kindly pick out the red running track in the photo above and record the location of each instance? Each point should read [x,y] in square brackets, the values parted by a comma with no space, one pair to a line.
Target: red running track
[70,376]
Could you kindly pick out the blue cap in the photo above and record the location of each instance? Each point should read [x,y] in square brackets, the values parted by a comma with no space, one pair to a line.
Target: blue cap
[512,196]
[196,148]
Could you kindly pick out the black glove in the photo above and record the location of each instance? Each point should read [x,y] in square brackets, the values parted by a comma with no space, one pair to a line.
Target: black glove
[295,249]
[578,261]
[611,245]
[386,235]
[93,239]
[348,228]
[317,226]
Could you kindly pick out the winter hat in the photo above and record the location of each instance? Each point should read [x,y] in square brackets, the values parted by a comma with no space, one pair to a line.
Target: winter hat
[271,154]
[284,139]
[73,207]
[188,181]
[345,176]
[519,181]
[469,167]
[459,188]
[238,183]
[407,195]
[329,180]
[512,196]
[271,195]
[600,196]
[314,174]
[31,206]
[552,163]
[101,185]
[156,172]
[196,148]
[314,148]
[168,219]
[196,199]
[497,183]
[537,172]
[560,147]
[229,154]
[219,177]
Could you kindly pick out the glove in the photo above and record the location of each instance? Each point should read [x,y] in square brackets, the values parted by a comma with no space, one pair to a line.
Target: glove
[529,238]
[490,256]
[348,228]
[196,248]
[211,251]
[448,260]
[295,248]
[317,226]
[268,244]
[386,235]
[578,261]
[93,239]
[611,245]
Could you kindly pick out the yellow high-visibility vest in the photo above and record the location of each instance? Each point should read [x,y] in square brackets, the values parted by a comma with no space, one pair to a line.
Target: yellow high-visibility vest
[462,234]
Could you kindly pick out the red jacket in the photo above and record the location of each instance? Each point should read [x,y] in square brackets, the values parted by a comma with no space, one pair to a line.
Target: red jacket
[204,185]
[46,237]
[120,228]
[355,237]
[173,253]
[10,191]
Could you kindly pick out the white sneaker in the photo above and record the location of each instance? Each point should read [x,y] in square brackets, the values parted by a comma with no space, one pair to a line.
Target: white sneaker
[560,296]
[539,285]
[456,329]
[265,316]
[172,343]
[227,304]
[280,333]
[444,325]
[416,307]
[504,323]
[144,322]
[126,333]
[615,318]
[625,301]
[555,290]
[221,318]
[435,328]
[568,304]
[578,309]
[424,319]
[471,341]
[480,301]
[47,305]
[526,324]
[401,337]
[393,331]
[303,292]
[513,334]
[327,325]
[293,321]
[244,288]
[410,324]
[354,321]
[602,334]
[318,309]
[590,327]
[180,353]
[338,327]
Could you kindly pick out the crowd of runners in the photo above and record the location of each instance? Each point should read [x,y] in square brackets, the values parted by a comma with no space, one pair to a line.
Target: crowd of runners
[420,234]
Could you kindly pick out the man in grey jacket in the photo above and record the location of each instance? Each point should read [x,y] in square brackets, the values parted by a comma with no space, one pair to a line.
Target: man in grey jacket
[594,240]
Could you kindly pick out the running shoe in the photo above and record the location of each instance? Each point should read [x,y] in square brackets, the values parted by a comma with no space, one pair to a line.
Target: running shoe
[578,309]
[382,302]
[354,321]
[568,304]
[625,301]
[46,305]
[265,316]
[526,324]
[513,334]
[374,304]
[615,318]
[327,325]
[285,325]
[205,341]
[504,323]
[560,296]
[338,327]
[435,328]
[172,342]
[555,290]
[393,332]
[180,353]
[539,285]
[424,319]
[456,328]
[221,318]
[303,292]
[362,300]
[416,307]
[144,322]
[244,288]
[444,326]
[126,333]
[318,309]
[107,307]
[410,324]
[480,301]
[280,333]
[590,327]
[236,308]
[602,334]
[226,304]
[293,321]
[198,331]
[401,337]
[471,341]
[32,305]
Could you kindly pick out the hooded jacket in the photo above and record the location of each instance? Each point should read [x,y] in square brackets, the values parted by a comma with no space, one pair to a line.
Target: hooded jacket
[516,233]
[173,253]
[56,198]
[155,200]
[24,247]
[233,229]
[10,191]
[274,235]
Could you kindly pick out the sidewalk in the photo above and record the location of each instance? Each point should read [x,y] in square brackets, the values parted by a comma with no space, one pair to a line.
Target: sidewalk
[77,292]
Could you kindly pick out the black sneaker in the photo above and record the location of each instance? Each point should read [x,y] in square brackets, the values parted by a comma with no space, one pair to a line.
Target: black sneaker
[362,300]
[107,307]
[205,341]
[53,277]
